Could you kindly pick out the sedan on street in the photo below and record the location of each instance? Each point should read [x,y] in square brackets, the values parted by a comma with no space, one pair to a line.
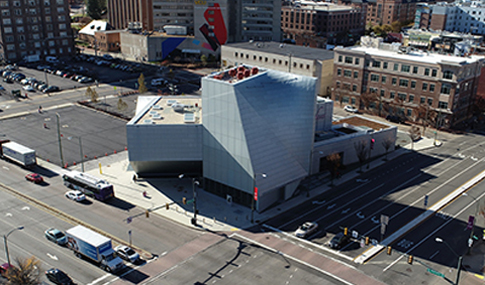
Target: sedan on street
[58,277]
[34,177]
[75,195]
[350,109]
[306,229]
[56,236]
[127,253]
[339,240]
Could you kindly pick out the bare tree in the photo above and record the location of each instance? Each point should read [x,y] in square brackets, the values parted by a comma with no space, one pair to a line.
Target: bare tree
[333,162]
[92,94]
[361,150]
[141,84]
[367,98]
[415,134]
[27,272]
[426,115]
[122,105]
[387,143]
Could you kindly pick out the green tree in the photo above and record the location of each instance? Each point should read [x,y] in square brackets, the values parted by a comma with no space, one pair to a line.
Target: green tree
[95,8]
[142,88]
[92,94]
[27,272]
[396,26]
[204,59]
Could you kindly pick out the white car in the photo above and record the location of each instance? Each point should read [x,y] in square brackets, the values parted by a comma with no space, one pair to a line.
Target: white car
[350,109]
[76,195]
[29,88]
[306,229]
[127,253]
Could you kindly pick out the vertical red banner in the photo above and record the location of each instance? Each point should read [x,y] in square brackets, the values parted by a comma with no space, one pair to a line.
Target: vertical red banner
[255,193]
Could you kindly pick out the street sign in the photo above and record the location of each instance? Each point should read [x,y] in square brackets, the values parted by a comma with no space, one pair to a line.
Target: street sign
[471,219]
[383,229]
[384,220]
[190,201]
[426,200]
[362,242]
[355,234]
[470,242]
[435,272]
[129,219]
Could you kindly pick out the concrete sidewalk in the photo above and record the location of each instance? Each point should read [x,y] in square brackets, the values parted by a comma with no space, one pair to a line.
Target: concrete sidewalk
[215,213]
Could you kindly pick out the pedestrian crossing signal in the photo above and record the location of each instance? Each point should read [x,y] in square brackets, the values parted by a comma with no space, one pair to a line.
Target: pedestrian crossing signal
[410,259]
[184,201]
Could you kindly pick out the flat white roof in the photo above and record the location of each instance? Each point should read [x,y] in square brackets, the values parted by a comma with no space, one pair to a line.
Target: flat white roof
[172,111]
[418,56]
[86,234]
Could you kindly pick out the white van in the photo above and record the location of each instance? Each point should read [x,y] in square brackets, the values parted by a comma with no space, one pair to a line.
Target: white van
[159,81]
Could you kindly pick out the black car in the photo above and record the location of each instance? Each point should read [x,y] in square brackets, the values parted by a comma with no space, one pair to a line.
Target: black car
[395,119]
[58,277]
[51,89]
[339,240]
[8,80]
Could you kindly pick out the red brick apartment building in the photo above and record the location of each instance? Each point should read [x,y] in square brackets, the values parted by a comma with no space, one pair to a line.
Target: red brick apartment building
[401,81]
[322,23]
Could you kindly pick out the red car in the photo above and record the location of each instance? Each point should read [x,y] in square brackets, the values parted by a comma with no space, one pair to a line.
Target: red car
[4,268]
[34,177]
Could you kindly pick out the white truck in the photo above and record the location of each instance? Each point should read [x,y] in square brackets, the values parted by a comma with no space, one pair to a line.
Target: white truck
[18,153]
[96,247]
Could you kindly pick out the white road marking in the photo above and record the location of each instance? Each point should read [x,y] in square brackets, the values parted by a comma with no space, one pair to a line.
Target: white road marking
[8,215]
[100,279]
[331,206]
[410,169]
[345,211]
[25,208]
[318,202]
[360,215]
[375,220]
[52,256]
[434,254]
[6,168]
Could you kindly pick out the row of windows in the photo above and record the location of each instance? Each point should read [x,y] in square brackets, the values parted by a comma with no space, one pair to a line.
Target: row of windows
[447,74]
[30,3]
[279,61]
[20,21]
[34,28]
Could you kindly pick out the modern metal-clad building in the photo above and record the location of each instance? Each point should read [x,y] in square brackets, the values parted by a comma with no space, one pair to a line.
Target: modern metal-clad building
[257,128]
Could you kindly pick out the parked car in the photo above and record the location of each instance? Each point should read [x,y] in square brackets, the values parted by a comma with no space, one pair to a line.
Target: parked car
[56,236]
[28,88]
[2,88]
[108,57]
[75,195]
[4,268]
[8,80]
[339,240]
[127,253]
[41,86]
[395,119]
[51,89]
[58,277]
[351,109]
[85,79]
[34,177]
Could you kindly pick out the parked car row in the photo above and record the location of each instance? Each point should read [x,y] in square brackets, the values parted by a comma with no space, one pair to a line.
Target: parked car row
[30,84]
[78,74]
[108,61]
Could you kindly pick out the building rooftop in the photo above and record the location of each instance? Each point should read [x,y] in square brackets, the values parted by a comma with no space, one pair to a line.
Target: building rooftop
[319,6]
[362,123]
[285,49]
[433,58]
[236,74]
[172,111]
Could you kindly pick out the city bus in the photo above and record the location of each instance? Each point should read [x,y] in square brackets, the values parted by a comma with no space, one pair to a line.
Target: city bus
[88,184]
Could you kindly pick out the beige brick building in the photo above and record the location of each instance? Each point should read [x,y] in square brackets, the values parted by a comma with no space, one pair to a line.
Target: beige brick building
[389,79]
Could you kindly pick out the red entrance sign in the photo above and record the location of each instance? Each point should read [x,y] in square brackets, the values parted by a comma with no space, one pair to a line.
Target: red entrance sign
[255,193]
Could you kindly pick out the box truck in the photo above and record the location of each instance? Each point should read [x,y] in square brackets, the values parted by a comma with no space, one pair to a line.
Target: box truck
[18,153]
[96,247]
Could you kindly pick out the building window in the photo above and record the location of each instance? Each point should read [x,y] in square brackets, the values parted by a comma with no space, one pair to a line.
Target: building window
[374,77]
[411,98]
[346,86]
[405,68]
[431,87]
[357,61]
[7,21]
[347,73]
[430,101]
[383,79]
[392,95]
[354,88]
[339,72]
[349,59]
[434,73]
[448,74]
[422,100]
[345,99]
[339,58]
[356,74]
[442,105]
[446,89]
[376,64]
[425,86]
[403,82]
[396,67]
[3,3]
[426,72]
[5,13]
[415,69]
[402,96]
[394,81]
[384,65]
[383,92]
[62,26]
[60,2]
[8,30]
[413,84]
[409,112]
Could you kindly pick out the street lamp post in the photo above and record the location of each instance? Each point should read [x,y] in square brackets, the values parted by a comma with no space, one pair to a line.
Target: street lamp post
[254,196]
[476,214]
[194,194]
[460,258]
[59,138]
[5,237]
[80,152]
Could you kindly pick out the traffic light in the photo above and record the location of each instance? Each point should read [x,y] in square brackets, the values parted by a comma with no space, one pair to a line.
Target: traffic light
[366,240]
[410,259]
[372,141]
[147,213]
[346,231]
[166,206]
[184,201]
[389,250]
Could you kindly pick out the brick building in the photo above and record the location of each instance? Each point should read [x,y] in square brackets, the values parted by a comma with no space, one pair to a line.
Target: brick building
[315,24]
[401,81]
[35,28]
[385,12]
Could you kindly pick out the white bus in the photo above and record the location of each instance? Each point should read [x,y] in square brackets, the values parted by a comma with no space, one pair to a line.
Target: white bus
[90,185]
